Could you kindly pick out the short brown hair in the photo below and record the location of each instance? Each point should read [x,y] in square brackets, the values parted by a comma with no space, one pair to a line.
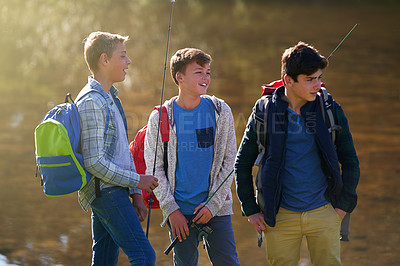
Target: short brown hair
[185,56]
[98,43]
[301,59]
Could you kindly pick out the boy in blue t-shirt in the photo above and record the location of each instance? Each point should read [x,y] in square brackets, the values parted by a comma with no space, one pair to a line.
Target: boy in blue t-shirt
[201,154]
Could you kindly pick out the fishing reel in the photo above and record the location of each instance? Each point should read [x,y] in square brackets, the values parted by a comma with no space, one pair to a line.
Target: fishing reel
[204,232]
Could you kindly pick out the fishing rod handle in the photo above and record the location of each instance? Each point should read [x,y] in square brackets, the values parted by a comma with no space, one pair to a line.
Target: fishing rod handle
[172,245]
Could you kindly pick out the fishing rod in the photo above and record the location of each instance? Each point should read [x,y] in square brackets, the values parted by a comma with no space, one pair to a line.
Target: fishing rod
[172,245]
[159,117]
[344,227]
[334,50]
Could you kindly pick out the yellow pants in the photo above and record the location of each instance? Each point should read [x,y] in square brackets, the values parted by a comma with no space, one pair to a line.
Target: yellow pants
[320,226]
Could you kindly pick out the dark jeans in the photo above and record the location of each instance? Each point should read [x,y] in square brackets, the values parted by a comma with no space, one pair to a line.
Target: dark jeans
[115,224]
[220,244]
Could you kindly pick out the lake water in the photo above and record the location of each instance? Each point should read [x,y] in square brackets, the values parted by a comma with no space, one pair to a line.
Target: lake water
[41,60]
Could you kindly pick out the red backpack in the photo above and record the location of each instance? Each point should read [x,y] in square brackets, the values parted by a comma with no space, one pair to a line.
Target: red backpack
[137,149]
[268,89]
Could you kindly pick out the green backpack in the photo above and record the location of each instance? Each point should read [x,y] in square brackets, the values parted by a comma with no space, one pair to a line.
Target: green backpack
[57,149]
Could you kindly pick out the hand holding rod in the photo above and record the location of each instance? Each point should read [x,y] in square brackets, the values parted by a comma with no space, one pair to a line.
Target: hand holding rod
[172,245]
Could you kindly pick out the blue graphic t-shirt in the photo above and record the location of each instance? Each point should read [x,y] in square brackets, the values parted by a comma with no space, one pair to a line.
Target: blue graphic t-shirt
[195,130]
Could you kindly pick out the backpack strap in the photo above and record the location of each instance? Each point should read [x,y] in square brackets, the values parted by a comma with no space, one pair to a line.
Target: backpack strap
[261,125]
[83,92]
[326,103]
[164,131]
[260,113]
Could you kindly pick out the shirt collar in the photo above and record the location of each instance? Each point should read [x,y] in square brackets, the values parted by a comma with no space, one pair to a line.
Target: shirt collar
[97,86]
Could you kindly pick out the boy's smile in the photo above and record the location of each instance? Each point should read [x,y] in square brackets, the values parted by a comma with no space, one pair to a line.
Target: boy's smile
[195,80]
[118,63]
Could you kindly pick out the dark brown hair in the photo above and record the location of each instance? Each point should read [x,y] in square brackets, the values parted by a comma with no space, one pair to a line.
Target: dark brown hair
[301,59]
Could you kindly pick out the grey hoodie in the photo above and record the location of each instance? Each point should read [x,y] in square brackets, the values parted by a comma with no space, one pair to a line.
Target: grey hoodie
[222,165]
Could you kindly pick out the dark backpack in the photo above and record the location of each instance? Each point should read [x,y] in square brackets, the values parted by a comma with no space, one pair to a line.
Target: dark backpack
[137,149]
[262,107]
[261,114]
[57,149]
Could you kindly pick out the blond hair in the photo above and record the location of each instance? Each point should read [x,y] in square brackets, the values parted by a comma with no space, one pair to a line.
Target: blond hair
[98,43]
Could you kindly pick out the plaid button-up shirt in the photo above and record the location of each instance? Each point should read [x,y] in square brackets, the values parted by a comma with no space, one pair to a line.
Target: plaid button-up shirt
[98,146]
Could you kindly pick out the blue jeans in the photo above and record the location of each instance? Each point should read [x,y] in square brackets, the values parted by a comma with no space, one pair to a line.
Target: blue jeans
[220,244]
[115,224]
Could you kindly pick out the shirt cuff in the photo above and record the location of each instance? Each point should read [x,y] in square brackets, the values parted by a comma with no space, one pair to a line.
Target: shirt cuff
[135,191]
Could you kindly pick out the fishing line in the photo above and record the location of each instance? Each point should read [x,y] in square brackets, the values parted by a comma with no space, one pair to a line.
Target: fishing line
[159,118]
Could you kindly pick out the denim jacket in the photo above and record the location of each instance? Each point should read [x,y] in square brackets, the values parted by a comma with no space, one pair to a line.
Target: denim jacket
[98,148]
